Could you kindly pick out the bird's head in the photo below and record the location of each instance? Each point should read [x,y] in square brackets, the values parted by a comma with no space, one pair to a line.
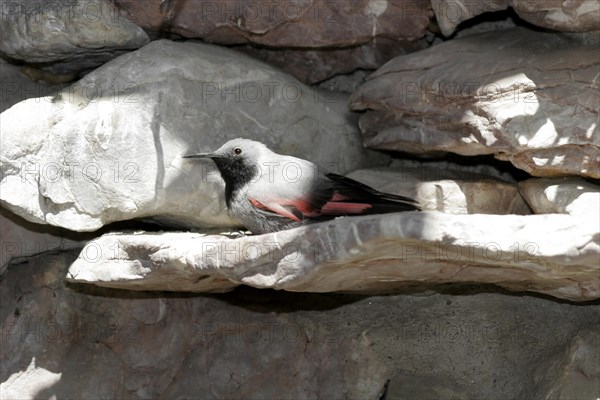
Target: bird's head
[238,160]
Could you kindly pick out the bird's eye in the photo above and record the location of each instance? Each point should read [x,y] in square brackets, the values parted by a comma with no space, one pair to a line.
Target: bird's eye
[237,150]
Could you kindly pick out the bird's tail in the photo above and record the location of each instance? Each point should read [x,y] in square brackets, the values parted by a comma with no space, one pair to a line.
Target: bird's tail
[383,201]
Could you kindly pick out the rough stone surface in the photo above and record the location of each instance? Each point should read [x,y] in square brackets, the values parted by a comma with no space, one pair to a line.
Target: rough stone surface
[494,24]
[570,16]
[315,65]
[527,97]
[16,87]
[20,239]
[312,40]
[345,83]
[552,254]
[447,191]
[573,196]
[261,343]
[310,24]
[87,33]
[109,147]
[573,373]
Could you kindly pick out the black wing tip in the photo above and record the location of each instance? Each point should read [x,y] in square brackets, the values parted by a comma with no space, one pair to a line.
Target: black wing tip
[389,198]
[391,207]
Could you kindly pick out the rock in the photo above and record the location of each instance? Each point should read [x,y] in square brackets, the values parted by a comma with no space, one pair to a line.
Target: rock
[345,83]
[487,25]
[447,191]
[573,196]
[316,65]
[552,254]
[21,240]
[260,343]
[574,374]
[570,16]
[315,24]
[526,97]
[585,38]
[312,40]
[16,87]
[109,147]
[449,13]
[80,33]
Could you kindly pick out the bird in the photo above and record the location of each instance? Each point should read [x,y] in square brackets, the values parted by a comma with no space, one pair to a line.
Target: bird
[269,192]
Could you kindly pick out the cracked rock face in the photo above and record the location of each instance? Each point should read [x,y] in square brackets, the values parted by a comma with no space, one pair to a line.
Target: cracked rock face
[523,96]
[569,16]
[573,196]
[310,24]
[552,254]
[316,65]
[20,240]
[312,40]
[80,34]
[259,344]
[573,373]
[109,147]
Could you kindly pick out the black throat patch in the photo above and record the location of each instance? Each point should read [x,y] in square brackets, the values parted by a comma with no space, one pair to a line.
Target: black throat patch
[236,173]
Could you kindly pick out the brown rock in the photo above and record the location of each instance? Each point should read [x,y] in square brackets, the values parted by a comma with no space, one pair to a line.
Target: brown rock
[312,24]
[568,16]
[315,65]
[526,97]
[311,40]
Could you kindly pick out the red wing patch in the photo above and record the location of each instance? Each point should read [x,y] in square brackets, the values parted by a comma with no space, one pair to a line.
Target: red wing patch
[295,210]
[275,208]
[258,204]
[303,206]
[334,207]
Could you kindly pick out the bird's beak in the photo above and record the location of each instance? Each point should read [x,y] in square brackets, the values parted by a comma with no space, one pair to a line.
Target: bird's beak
[202,155]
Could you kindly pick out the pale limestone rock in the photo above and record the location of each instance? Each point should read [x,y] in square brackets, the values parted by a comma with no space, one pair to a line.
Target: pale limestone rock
[37,377]
[526,97]
[552,254]
[109,147]
[452,192]
[573,196]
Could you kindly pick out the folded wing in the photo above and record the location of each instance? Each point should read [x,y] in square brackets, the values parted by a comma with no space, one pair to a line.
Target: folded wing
[333,196]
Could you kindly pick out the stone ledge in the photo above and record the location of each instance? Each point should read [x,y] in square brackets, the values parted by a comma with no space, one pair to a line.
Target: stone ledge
[552,254]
